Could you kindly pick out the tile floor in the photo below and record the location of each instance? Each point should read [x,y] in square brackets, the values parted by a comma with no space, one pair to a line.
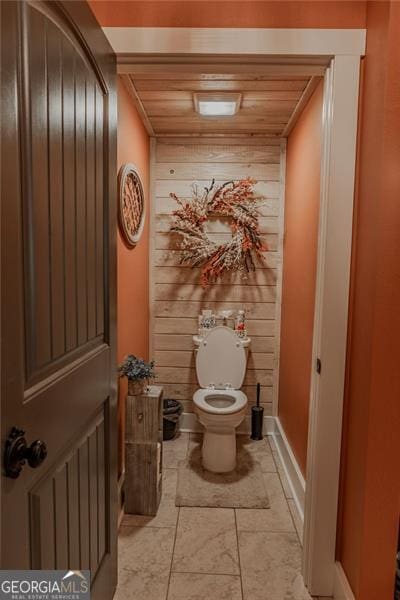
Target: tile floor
[214,553]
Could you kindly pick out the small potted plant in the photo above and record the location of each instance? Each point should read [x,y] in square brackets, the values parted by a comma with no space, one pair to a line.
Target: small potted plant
[138,372]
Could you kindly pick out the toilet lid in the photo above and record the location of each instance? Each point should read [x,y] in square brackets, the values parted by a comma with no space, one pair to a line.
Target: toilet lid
[221,359]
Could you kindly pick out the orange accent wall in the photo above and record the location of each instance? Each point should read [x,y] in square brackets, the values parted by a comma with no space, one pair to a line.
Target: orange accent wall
[370,487]
[225,13]
[133,264]
[303,157]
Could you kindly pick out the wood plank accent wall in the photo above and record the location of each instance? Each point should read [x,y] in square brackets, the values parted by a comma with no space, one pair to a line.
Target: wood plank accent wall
[176,296]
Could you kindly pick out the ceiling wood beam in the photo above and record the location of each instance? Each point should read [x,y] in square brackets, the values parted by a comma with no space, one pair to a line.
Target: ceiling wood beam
[309,90]
[128,83]
[245,67]
[212,60]
[215,135]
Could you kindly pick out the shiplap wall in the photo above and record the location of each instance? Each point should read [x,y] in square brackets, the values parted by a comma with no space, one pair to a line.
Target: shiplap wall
[176,295]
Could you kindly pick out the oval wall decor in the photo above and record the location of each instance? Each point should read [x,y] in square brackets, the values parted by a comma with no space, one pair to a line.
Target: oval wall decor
[131,209]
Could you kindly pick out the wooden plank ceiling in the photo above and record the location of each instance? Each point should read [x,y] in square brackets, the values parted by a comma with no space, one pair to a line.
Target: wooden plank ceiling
[269,102]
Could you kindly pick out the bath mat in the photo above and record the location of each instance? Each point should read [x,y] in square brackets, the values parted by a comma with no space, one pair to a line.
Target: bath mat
[242,488]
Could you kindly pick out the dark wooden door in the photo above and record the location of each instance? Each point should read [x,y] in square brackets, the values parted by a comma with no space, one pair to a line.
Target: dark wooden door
[58,287]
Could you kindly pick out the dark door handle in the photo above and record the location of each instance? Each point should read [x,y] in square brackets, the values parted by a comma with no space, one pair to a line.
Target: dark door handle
[17,452]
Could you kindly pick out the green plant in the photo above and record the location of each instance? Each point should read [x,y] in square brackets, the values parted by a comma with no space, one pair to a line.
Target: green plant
[136,369]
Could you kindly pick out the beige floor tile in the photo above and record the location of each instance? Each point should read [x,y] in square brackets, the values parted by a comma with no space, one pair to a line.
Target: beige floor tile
[194,586]
[144,557]
[285,484]
[195,438]
[280,469]
[276,518]
[298,523]
[205,560]
[257,450]
[270,565]
[175,450]
[167,514]
[194,445]
[206,541]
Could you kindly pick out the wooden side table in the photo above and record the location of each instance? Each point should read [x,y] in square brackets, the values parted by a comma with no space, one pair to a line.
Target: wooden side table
[143,452]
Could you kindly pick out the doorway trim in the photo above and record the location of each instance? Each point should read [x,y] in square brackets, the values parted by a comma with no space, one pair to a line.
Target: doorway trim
[338,161]
[189,41]
[337,53]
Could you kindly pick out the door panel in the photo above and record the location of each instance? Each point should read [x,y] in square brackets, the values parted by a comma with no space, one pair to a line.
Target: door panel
[58,288]
[74,495]
[62,237]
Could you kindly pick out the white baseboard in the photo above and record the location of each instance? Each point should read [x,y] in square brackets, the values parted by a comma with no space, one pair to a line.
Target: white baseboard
[189,423]
[341,586]
[292,470]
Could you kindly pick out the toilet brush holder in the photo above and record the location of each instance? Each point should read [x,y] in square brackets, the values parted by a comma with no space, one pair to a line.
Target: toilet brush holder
[257,418]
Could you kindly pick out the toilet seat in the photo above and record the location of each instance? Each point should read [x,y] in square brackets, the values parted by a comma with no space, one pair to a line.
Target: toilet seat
[221,360]
[202,397]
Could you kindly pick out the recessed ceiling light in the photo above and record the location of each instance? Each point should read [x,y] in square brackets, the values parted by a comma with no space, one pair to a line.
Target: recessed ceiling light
[217,108]
[217,105]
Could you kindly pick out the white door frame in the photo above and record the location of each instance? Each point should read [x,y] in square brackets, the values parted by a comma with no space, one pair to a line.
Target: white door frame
[340,112]
[340,51]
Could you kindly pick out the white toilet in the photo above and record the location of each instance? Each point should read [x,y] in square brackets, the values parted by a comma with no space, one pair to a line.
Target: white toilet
[219,404]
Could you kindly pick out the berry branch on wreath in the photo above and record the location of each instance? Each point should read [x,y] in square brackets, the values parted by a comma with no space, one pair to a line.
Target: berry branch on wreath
[234,200]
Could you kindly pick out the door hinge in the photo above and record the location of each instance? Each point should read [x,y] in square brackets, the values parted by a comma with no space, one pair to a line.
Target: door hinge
[318,366]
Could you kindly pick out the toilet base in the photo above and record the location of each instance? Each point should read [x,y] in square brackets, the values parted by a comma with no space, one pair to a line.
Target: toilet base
[219,441]
[219,451]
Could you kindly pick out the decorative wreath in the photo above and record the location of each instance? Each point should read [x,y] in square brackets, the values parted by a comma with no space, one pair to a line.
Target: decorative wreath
[234,200]
[131,204]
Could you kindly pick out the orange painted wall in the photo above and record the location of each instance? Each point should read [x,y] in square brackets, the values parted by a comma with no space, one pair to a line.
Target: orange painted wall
[133,264]
[227,13]
[303,157]
[370,486]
